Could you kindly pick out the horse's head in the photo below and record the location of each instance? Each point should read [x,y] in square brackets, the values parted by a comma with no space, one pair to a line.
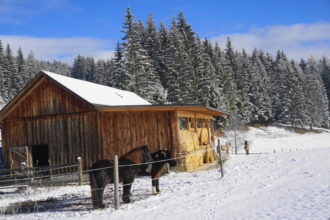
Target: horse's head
[171,161]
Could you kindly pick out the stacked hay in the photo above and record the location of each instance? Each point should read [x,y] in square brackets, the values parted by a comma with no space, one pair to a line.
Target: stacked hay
[209,155]
[194,160]
[225,147]
[195,154]
[189,141]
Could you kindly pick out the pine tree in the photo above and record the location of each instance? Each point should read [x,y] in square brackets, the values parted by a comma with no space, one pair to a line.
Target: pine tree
[165,59]
[83,68]
[180,78]
[214,97]
[324,67]
[218,61]
[54,66]
[259,84]
[30,68]
[297,114]
[78,66]
[152,44]
[318,103]
[12,81]
[100,71]
[229,80]
[188,35]
[278,79]
[203,72]
[120,77]
[137,65]
[244,107]
[153,48]
[20,60]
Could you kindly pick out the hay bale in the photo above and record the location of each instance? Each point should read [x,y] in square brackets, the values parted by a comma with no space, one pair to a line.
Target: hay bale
[209,155]
[190,162]
[224,147]
[194,160]
[200,158]
[189,141]
[205,138]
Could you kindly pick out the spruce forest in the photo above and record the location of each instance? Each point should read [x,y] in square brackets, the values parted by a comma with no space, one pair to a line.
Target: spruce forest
[173,65]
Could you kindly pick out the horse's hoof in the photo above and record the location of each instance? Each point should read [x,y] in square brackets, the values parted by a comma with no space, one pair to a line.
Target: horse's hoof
[127,200]
[154,191]
[99,207]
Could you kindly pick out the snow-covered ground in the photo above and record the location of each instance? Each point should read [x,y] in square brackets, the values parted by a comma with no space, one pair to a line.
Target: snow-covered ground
[284,185]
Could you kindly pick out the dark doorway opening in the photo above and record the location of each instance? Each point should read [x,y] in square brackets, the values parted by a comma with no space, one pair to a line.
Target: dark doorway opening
[40,155]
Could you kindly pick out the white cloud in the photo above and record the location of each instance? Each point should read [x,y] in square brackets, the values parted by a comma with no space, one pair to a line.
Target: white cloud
[64,49]
[298,40]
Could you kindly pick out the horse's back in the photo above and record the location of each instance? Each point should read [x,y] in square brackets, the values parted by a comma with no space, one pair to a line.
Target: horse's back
[102,164]
[101,171]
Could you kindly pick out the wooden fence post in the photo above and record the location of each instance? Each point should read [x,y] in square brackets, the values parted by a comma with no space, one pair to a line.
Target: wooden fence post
[220,159]
[116,182]
[80,174]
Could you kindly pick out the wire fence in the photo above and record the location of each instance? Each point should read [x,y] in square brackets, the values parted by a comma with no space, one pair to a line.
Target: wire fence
[36,173]
[34,176]
[22,180]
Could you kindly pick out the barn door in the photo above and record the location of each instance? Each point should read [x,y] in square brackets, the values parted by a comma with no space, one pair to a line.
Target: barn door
[19,155]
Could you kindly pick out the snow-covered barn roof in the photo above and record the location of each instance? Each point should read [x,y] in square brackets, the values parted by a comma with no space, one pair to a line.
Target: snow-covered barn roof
[97,94]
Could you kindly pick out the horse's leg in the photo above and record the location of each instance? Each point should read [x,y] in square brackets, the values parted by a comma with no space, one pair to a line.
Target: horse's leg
[157,186]
[99,191]
[93,192]
[127,189]
[94,183]
[154,182]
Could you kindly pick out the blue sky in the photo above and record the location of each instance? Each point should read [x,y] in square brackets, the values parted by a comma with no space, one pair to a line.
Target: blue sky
[62,29]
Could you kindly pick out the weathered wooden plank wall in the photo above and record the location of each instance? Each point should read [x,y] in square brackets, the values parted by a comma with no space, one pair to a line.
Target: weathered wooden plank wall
[52,115]
[122,131]
[49,98]
[67,137]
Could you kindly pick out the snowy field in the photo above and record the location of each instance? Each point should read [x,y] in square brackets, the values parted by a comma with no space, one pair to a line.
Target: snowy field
[262,185]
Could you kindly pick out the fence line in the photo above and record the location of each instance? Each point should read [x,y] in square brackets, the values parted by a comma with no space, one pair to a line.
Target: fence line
[26,170]
[90,170]
[35,170]
[176,158]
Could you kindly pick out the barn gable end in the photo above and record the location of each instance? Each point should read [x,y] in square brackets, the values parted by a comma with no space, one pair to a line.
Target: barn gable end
[47,98]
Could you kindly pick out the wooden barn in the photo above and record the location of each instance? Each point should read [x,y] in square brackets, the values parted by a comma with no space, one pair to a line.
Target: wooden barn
[55,119]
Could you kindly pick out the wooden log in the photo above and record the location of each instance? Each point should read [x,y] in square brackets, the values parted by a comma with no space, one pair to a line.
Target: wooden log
[116,182]
[220,159]
[80,173]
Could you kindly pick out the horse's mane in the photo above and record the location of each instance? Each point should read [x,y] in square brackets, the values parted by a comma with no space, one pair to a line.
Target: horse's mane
[134,150]
[136,153]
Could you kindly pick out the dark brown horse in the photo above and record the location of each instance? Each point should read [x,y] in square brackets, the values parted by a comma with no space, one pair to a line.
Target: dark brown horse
[160,159]
[102,173]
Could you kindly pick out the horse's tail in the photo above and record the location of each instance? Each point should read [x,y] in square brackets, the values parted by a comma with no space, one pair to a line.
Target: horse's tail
[94,187]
